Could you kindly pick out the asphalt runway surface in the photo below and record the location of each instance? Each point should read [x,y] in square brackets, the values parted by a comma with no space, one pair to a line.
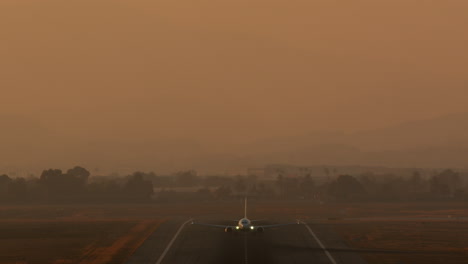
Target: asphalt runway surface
[173,242]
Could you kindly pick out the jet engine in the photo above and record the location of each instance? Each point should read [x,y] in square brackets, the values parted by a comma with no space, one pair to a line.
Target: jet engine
[228,229]
[260,229]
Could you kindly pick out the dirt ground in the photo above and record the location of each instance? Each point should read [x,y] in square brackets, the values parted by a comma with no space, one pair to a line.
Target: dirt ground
[110,233]
[85,242]
[395,242]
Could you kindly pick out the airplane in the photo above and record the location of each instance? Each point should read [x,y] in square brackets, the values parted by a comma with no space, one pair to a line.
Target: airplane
[245,224]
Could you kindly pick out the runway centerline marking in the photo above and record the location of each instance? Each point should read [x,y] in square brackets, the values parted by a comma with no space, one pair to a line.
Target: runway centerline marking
[330,257]
[172,241]
[245,249]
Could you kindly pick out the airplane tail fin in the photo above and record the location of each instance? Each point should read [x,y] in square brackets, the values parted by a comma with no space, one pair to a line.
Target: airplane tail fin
[245,207]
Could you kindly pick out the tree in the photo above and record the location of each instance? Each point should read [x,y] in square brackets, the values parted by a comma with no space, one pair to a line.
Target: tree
[5,182]
[416,181]
[138,189]
[50,175]
[393,188]
[307,186]
[346,187]
[290,187]
[65,187]
[280,184]
[80,174]
[4,179]
[18,190]
[240,184]
[186,178]
[445,183]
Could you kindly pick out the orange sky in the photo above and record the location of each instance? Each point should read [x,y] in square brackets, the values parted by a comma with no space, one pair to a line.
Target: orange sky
[220,72]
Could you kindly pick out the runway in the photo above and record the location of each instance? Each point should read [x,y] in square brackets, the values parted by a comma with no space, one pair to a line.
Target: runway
[200,244]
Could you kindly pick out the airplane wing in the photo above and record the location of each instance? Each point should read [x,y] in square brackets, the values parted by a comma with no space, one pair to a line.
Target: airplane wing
[277,225]
[211,225]
[257,220]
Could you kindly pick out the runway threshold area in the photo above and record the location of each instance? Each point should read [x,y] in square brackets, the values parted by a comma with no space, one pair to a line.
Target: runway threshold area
[199,244]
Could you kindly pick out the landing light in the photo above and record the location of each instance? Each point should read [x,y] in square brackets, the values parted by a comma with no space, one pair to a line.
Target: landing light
[252,227]
[237,227]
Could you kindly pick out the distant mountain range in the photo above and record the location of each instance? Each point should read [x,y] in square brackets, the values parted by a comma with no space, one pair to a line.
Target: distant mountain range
[445,131]
[438,142]
[433,143]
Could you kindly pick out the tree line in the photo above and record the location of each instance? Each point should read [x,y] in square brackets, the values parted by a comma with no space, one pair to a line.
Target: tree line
[446,185]
[76,186]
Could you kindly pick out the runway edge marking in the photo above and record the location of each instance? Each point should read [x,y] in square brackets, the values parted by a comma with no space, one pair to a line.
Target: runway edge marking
[330,257]
[172,241]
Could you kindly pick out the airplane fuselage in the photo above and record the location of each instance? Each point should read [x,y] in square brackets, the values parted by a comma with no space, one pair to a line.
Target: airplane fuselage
[244,224]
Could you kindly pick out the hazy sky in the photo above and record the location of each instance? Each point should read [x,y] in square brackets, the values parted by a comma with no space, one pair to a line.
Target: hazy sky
[219,72]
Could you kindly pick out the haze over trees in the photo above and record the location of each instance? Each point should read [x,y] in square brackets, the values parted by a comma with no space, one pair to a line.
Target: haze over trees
[76,185]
